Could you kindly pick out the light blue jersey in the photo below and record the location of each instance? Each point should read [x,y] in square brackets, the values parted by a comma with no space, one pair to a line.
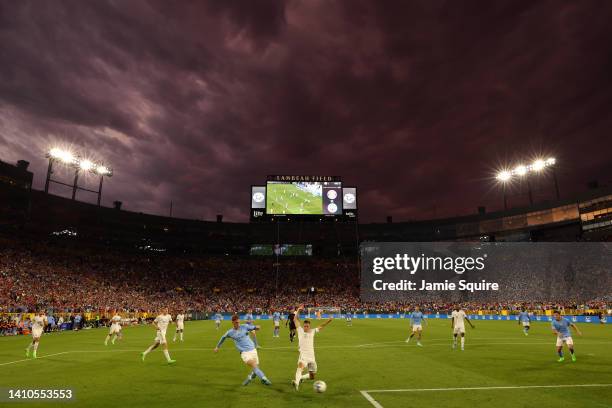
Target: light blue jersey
[276,317]
[241,337]
[218,317]
[248,317]
[562,326]
[524,317]
[416,317]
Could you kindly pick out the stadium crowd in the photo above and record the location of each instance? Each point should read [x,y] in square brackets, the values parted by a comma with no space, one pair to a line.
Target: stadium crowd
[37,276]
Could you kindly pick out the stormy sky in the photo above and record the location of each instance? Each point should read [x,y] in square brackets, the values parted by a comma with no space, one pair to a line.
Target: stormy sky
[414,102]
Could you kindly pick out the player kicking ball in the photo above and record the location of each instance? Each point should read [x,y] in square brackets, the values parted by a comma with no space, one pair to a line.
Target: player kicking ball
[240,334]
[306,359]
[180,327]
[38,326]
[458,326]
[525,320]
[416,320]
[161,323]
[561,329]
[115,329]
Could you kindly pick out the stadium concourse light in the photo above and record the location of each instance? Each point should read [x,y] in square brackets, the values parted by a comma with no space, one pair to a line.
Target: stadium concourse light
[523,171]
[76,161]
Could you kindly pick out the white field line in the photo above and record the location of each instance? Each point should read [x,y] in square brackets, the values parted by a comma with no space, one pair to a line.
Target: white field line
[376,404]
[390,344]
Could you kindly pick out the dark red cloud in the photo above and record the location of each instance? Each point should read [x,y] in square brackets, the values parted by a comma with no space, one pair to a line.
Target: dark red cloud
[413,102]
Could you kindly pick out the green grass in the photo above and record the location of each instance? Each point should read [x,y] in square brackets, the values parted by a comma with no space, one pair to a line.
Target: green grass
[371,355]
[279,195]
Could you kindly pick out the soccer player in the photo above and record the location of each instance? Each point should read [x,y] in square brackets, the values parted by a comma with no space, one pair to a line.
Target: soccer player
[458,326]
[115,329]
[249,320]
[416,321]
[561,329]
[525,320]
[306,347]
[276,318]
[180,326]
[240,334]
[38,326]
[291,325]
[218,318]
[349,318]
[161,323]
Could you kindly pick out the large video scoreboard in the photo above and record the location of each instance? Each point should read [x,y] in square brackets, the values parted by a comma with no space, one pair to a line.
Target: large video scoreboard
[308,197]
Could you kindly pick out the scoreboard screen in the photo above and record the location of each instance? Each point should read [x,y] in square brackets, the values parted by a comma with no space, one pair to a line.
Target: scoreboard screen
[304,198]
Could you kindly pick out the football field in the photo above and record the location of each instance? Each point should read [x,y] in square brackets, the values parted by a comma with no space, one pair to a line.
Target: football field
[366,365]
[289,199]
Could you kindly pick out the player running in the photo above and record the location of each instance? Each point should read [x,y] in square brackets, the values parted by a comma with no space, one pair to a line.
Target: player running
[291,324]
[38,326]
[306,347]
[561,328]
[180,326]
[240,334]
[525,320]
[161,323]
[416,321]
[276,318]
[218,318]
[458,326]
[115,329]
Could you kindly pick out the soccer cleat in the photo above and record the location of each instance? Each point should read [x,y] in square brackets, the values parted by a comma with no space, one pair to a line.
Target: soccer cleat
[561,359]
[573,358]
[295,385]
[419,344]
[142,356]
[34,354]
[171,361]
[265,381]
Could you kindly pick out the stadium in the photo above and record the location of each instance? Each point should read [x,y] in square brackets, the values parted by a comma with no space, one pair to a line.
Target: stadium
[197,199]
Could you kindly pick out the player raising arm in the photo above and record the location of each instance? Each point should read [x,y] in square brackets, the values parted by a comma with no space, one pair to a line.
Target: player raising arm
[561,329]
[306,346]
[240,334]
[458,326]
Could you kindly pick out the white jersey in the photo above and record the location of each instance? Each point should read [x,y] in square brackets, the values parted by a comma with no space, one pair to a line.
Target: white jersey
[116,320]
[180,318]
[306,341]
[458,317]
[38,323]
[162,322]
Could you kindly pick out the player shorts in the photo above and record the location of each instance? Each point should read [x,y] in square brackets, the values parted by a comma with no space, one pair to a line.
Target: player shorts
[180,326]
[459,330]
[37,333]
[250,355]
[525,324]
[161,337]
[218,321]
[567,340]
[417,327]
[114,329]
[276,323]
[308,362]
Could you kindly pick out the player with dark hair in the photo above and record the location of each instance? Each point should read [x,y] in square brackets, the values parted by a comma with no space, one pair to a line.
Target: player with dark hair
[291,324]
[525,320]
[561,329]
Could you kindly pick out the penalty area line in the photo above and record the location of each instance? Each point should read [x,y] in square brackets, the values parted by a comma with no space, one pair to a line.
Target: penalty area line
[376,404]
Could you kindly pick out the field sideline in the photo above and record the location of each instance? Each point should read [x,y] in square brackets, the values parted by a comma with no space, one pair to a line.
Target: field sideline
[499,368]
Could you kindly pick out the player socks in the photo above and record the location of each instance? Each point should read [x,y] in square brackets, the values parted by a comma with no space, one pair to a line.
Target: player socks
[181,336]
[305,376]
[298,375]
[462,343]
[167,355]
[147,351]
[259,373]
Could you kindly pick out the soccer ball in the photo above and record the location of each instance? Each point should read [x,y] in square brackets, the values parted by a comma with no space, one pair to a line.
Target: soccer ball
[319,386]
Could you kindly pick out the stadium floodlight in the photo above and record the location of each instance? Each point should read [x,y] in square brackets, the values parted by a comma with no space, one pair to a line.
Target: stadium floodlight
[551,161]
[538,165]
[504,175]
[76,162]
[520,170]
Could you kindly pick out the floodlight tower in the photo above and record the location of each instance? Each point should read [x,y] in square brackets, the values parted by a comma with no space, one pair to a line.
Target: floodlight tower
[78,163]
[524,172]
